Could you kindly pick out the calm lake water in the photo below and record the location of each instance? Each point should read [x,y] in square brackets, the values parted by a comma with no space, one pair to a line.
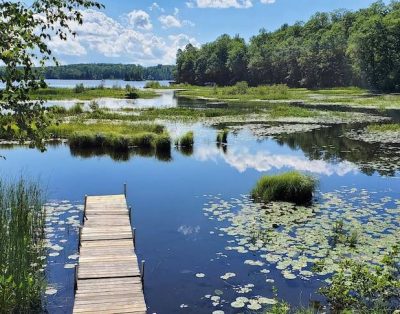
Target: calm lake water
[95,83]
[205,243]
[181,206]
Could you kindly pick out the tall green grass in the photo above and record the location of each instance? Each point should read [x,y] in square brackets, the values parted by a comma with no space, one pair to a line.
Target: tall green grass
[186,140]
[113,136]
[22,222]
[291,186]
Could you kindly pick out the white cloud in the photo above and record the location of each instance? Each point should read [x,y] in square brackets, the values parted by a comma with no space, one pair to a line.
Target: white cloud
[103,35]
[243,159]
[169,21]
[140,19]
[155,6]
[224,4]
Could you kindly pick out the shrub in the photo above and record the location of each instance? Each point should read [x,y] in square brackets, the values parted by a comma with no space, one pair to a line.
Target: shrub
[132,92]
[76,109]
[79,88]
[22,245]
[152,84]
[241,87]
[186,140]
[94,106]
[291,186]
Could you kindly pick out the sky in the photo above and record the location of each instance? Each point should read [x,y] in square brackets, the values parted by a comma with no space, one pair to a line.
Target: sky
[149,32]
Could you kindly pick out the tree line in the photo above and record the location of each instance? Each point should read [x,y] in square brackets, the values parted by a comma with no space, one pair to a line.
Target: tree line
[103,71]
[341,48]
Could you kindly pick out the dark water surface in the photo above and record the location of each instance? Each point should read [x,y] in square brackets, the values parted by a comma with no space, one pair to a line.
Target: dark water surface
[178,239]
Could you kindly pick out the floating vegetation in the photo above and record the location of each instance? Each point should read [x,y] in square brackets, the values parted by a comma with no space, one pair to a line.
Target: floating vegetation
[291,186]
[377,134]
[22,249]
[263,130]
[227,276]
[299,240]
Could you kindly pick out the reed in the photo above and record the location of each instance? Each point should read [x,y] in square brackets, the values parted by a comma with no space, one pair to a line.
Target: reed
[22,239]
[186,140]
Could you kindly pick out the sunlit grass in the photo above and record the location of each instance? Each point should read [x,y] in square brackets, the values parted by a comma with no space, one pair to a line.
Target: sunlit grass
[186,140]
[291,186]
[389,127]
[54,93]
[22,222]
[113,136]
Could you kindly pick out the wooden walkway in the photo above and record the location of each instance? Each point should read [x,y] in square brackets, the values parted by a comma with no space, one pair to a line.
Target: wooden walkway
[108,279]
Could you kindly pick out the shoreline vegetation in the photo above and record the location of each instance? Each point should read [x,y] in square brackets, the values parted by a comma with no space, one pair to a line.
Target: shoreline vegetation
[80,92]
[22,247]
[118,137]
[339,96]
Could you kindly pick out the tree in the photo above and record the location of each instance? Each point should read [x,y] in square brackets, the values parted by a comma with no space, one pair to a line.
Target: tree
[25,33]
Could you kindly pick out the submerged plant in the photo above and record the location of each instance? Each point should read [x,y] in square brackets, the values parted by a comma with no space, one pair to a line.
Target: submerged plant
[291,186]
[22,250]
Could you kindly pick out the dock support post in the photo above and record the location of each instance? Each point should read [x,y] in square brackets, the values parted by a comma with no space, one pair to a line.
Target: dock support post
[76,279]
[84,210]
[142,271]
[80,239]
[134,237]
[125,189]
[130,215]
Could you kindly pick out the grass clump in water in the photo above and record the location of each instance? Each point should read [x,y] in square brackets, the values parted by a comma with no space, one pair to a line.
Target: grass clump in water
[291,186]
[222,136]
[186,140]
[113,136]
[22,237]
[153,84]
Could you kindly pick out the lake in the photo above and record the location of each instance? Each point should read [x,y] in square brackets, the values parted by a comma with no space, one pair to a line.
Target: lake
[207,246]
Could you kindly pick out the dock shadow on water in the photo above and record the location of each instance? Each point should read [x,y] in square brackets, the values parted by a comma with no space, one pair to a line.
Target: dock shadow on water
[208,246]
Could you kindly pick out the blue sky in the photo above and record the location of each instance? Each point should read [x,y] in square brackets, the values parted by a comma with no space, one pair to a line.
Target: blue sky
[149,32]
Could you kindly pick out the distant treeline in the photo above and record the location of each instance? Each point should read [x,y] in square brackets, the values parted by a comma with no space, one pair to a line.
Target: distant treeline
[341,48]
[103,71]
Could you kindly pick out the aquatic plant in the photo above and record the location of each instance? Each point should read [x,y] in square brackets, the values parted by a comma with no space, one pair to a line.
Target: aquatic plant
[76,109]
[112,136]
[22,250]
[186,140]
[222,136]
[132,92]
[79,88]
[358,287]
[152,84]
[291,186]
[94,106]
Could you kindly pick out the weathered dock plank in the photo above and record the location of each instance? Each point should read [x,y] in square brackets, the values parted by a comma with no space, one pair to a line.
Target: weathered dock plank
[108,276]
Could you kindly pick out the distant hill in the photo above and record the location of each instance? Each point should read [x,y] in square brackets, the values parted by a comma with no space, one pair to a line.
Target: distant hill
[104,71]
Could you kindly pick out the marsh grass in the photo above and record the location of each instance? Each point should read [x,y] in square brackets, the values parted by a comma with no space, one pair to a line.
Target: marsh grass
[291,186]
[88,93]
[222,136]
[153,85]
[387,127]
[22,247]
[119,137]
[186,140]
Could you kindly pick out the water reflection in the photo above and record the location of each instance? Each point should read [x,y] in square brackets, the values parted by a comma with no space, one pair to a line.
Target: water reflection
[243,159]
[161,155]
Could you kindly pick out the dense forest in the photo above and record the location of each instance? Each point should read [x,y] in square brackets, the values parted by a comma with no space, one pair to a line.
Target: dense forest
[341,48]
[100,71]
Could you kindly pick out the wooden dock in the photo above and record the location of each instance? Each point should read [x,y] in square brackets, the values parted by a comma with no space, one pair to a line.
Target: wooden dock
[108,279]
